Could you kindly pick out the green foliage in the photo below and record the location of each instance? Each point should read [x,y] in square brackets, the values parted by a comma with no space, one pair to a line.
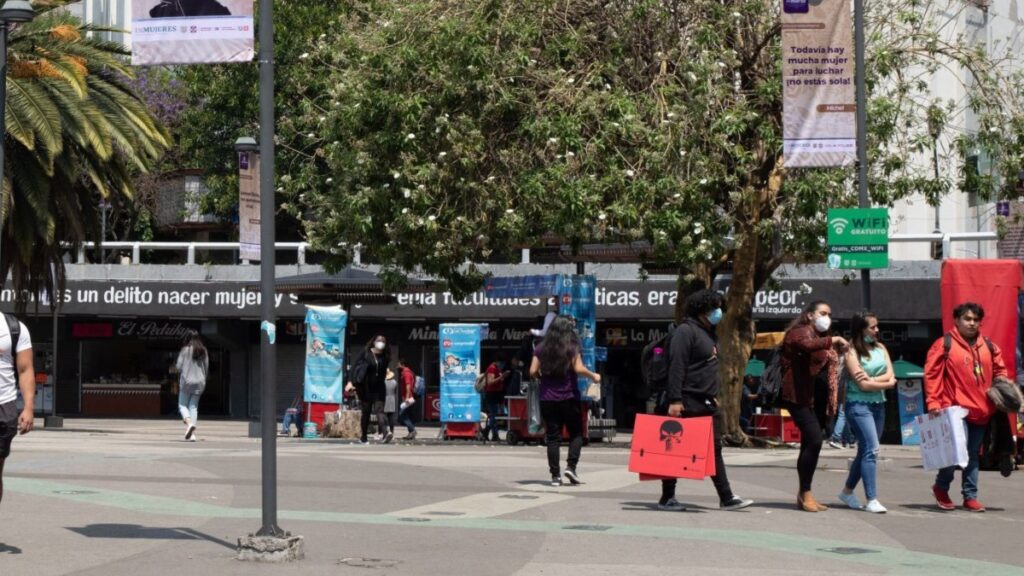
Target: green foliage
[76,131]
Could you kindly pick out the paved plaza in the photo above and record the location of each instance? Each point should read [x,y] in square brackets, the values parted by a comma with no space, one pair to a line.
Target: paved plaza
[120,497]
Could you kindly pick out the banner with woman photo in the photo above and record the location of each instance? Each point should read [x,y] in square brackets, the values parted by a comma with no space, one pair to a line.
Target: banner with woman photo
[325,354]
[192,31]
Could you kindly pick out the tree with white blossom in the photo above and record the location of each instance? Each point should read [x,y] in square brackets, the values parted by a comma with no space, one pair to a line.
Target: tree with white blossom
[436,135]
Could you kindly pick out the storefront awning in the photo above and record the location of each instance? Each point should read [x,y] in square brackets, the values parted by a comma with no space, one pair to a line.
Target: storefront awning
[905,370]
[347,286]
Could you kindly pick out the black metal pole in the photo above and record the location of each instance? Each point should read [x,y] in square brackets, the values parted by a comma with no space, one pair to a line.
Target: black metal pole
[268,354]
[862,135]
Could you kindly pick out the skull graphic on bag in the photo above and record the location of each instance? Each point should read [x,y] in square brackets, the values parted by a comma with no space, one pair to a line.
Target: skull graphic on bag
[671,432]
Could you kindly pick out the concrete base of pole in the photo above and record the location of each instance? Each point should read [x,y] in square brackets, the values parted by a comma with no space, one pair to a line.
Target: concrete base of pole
[53,422]
[271,549]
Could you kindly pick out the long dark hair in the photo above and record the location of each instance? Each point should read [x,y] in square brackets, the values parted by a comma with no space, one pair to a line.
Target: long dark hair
[198,350]
[559,347]
[858,324]
[802,320]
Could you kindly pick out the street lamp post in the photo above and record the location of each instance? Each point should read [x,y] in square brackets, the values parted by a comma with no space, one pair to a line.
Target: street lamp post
[12,11]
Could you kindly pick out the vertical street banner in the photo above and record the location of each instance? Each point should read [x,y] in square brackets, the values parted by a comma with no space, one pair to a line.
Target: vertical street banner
[858,238]
[460,364]
[910,394]
[192,31]
[819,126]
[248,206]
[577,298]
[325,354]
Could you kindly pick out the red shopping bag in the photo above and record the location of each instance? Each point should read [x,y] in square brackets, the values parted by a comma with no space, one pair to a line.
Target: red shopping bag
[665,447]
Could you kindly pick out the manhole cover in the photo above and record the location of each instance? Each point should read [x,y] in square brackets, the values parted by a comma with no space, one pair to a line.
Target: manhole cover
[587,527]
[444,513]
[368,562]
[74,492]
[849,550]
[519,496]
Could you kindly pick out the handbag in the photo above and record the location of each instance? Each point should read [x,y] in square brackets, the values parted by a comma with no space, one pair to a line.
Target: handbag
[535,424]
[943,438]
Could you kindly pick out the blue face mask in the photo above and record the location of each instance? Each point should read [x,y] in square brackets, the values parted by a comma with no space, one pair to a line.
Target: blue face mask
[715,316]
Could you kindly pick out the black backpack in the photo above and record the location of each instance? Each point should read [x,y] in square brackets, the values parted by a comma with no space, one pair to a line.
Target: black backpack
[771,378]
[654,364]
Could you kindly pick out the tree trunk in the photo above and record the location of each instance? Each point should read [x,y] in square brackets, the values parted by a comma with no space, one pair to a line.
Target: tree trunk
[736,335]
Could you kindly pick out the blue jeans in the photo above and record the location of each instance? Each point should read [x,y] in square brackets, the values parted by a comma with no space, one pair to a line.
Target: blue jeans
[289,419]
[943,480]
[405,419]
[842,431]
[188,405]
[492,405]
[867,419]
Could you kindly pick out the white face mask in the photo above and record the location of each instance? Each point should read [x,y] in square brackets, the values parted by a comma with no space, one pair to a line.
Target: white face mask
[822,323]
[380,345]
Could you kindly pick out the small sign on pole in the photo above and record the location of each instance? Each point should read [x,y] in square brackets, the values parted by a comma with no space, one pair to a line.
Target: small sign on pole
[858,238]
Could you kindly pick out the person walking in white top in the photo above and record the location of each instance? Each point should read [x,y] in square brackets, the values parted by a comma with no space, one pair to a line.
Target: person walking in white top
[193,365]
[16,371]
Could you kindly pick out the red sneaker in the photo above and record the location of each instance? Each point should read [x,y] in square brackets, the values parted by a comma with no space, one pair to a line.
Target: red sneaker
[973,505]
[942,499]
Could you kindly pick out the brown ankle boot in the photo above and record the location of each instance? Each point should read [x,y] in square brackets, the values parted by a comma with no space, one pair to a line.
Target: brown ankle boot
[805,501]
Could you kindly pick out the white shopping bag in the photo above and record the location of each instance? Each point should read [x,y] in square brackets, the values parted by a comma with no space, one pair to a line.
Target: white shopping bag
[943,438]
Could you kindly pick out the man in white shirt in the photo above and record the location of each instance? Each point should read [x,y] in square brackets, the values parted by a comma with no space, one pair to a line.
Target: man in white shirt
[16,371]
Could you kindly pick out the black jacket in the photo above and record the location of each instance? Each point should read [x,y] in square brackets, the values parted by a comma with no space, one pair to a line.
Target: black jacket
[180,8]
[372,387]
[693,362]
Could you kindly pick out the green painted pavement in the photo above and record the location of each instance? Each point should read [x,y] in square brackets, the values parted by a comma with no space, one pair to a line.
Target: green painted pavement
[899,560]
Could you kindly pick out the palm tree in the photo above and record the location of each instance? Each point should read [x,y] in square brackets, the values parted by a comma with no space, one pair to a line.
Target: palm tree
[75,131]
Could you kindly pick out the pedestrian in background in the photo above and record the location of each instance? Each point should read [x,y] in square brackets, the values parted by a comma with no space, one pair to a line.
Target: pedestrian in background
[387,426]
[870,374]
[693,386]
[810,388]
[557,362]
[368,374]
[193,365]
[407,389]
[960,375]
[494,396]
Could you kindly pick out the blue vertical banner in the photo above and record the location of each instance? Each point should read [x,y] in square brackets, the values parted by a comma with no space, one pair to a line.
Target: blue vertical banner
[910,394]
[460,364]
[325,354]
[577,298]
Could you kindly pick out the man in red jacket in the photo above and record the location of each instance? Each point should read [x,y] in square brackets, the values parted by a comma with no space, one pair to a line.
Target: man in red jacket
[962,377]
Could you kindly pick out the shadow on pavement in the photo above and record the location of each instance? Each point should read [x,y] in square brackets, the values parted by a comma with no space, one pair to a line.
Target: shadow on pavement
[8,549]
[131,531]
[652,506]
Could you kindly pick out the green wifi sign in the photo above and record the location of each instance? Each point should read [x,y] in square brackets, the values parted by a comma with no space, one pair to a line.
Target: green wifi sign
[858,238]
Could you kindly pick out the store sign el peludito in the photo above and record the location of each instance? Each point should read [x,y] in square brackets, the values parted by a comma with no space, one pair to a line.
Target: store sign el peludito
[858,238]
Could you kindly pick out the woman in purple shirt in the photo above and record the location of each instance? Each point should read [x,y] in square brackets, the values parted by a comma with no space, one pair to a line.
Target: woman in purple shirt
[557,362]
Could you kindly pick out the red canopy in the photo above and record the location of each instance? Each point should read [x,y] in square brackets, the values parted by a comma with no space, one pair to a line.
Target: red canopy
[996,285]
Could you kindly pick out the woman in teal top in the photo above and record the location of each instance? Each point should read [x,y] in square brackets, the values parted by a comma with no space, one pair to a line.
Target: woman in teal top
[869,374]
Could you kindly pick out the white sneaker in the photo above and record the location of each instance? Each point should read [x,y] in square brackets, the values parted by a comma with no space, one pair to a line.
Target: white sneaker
[672,505]
[190,432]
[835,445]
[875,507]
[851,500]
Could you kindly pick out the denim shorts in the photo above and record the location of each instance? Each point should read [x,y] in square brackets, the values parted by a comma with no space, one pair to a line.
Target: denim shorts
[8,427]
